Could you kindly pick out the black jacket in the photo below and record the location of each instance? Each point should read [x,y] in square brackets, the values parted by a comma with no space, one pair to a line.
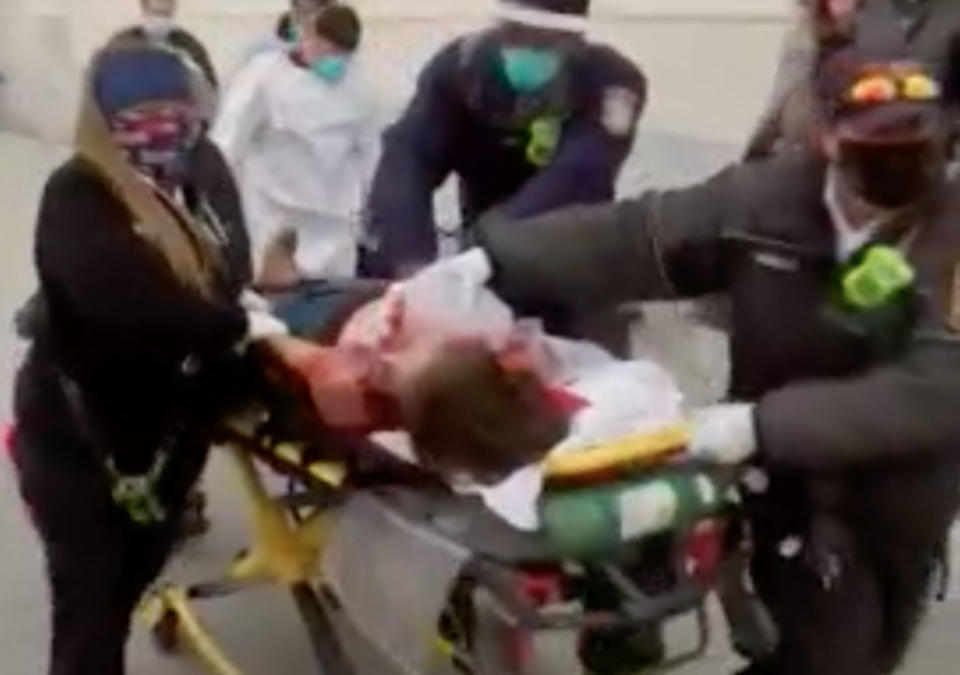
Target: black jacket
[827,398]
[149,356]
[465,120]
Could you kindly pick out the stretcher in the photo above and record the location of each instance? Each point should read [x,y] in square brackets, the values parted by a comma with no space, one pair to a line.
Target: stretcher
[506,587]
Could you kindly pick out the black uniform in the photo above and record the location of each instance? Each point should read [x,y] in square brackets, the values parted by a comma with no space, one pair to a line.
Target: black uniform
[856,415]
[126,362]
[522,155]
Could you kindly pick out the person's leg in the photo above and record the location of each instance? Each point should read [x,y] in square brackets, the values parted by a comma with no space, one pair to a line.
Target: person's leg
[95,592]
[85,548]
[91,611]
[903,517]
[822,592]
[823,630]
[98,561]
[266,221]
[906,581]
[327,246]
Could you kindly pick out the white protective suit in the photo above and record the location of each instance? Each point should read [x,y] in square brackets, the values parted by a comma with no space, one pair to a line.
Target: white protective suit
[304,152]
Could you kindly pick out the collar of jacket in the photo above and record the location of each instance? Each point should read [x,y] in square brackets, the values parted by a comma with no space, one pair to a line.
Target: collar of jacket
[789,215]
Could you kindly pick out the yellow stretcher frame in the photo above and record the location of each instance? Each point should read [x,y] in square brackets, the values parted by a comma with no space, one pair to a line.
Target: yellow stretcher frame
[284,552]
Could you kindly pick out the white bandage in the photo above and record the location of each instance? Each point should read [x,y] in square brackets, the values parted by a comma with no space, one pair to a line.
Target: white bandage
[540,18]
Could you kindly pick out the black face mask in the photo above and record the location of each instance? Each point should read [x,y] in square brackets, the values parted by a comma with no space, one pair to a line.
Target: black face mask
[892,175]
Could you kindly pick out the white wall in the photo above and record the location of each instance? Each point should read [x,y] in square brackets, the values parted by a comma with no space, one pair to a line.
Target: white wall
[709,61]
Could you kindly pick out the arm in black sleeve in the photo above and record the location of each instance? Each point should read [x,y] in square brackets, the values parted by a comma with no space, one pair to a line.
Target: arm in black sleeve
[596,142]
[660,245]
[128,314]
[898,410]
[417,158]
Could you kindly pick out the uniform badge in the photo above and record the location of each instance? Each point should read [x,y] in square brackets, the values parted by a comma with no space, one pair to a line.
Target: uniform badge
[545,136]
[620,110]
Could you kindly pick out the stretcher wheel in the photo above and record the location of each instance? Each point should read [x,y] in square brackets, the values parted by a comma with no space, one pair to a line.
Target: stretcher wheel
[166,633]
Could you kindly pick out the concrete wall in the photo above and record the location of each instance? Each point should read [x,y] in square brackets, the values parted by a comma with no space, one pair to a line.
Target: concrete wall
[709,61]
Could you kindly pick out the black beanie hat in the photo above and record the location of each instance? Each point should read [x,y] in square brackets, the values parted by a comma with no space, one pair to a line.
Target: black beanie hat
[565,15]
[340,25]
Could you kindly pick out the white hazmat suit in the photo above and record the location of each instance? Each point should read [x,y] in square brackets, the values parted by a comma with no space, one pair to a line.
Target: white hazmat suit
[304,152]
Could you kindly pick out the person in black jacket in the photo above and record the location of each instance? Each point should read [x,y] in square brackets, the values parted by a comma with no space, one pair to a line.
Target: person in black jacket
[159,26]
[141,254]
[930,28]
[843,267]
[528,116]
[142,345]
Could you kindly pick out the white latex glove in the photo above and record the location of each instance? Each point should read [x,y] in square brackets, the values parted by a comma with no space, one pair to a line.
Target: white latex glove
[450,298]
[261,324]
[724,434]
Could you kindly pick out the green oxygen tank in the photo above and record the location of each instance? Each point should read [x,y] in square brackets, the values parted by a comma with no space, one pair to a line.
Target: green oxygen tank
[591,522]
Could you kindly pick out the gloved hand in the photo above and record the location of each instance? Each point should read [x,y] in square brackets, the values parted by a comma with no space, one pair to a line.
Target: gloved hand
[261,323]
[724,434]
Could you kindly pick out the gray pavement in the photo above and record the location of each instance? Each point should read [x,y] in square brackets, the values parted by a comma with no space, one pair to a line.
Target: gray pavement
[260,629]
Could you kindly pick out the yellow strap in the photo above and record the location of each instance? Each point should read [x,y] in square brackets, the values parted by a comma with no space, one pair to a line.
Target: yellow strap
[647,449]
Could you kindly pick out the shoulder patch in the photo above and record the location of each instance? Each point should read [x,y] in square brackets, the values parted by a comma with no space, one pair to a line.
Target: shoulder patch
[621,107]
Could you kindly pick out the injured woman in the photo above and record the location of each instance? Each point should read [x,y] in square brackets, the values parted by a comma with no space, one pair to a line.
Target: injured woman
[454,373]
[484,399]
[582,454]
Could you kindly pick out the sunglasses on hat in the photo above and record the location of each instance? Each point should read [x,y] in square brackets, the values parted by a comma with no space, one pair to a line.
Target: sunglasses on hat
[893,86]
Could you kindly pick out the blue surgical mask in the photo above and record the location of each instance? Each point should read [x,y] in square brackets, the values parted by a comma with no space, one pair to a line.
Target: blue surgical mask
[331,69]
[529,69]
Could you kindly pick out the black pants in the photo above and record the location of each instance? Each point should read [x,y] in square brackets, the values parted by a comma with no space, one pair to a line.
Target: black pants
[850,600]
[98,561]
